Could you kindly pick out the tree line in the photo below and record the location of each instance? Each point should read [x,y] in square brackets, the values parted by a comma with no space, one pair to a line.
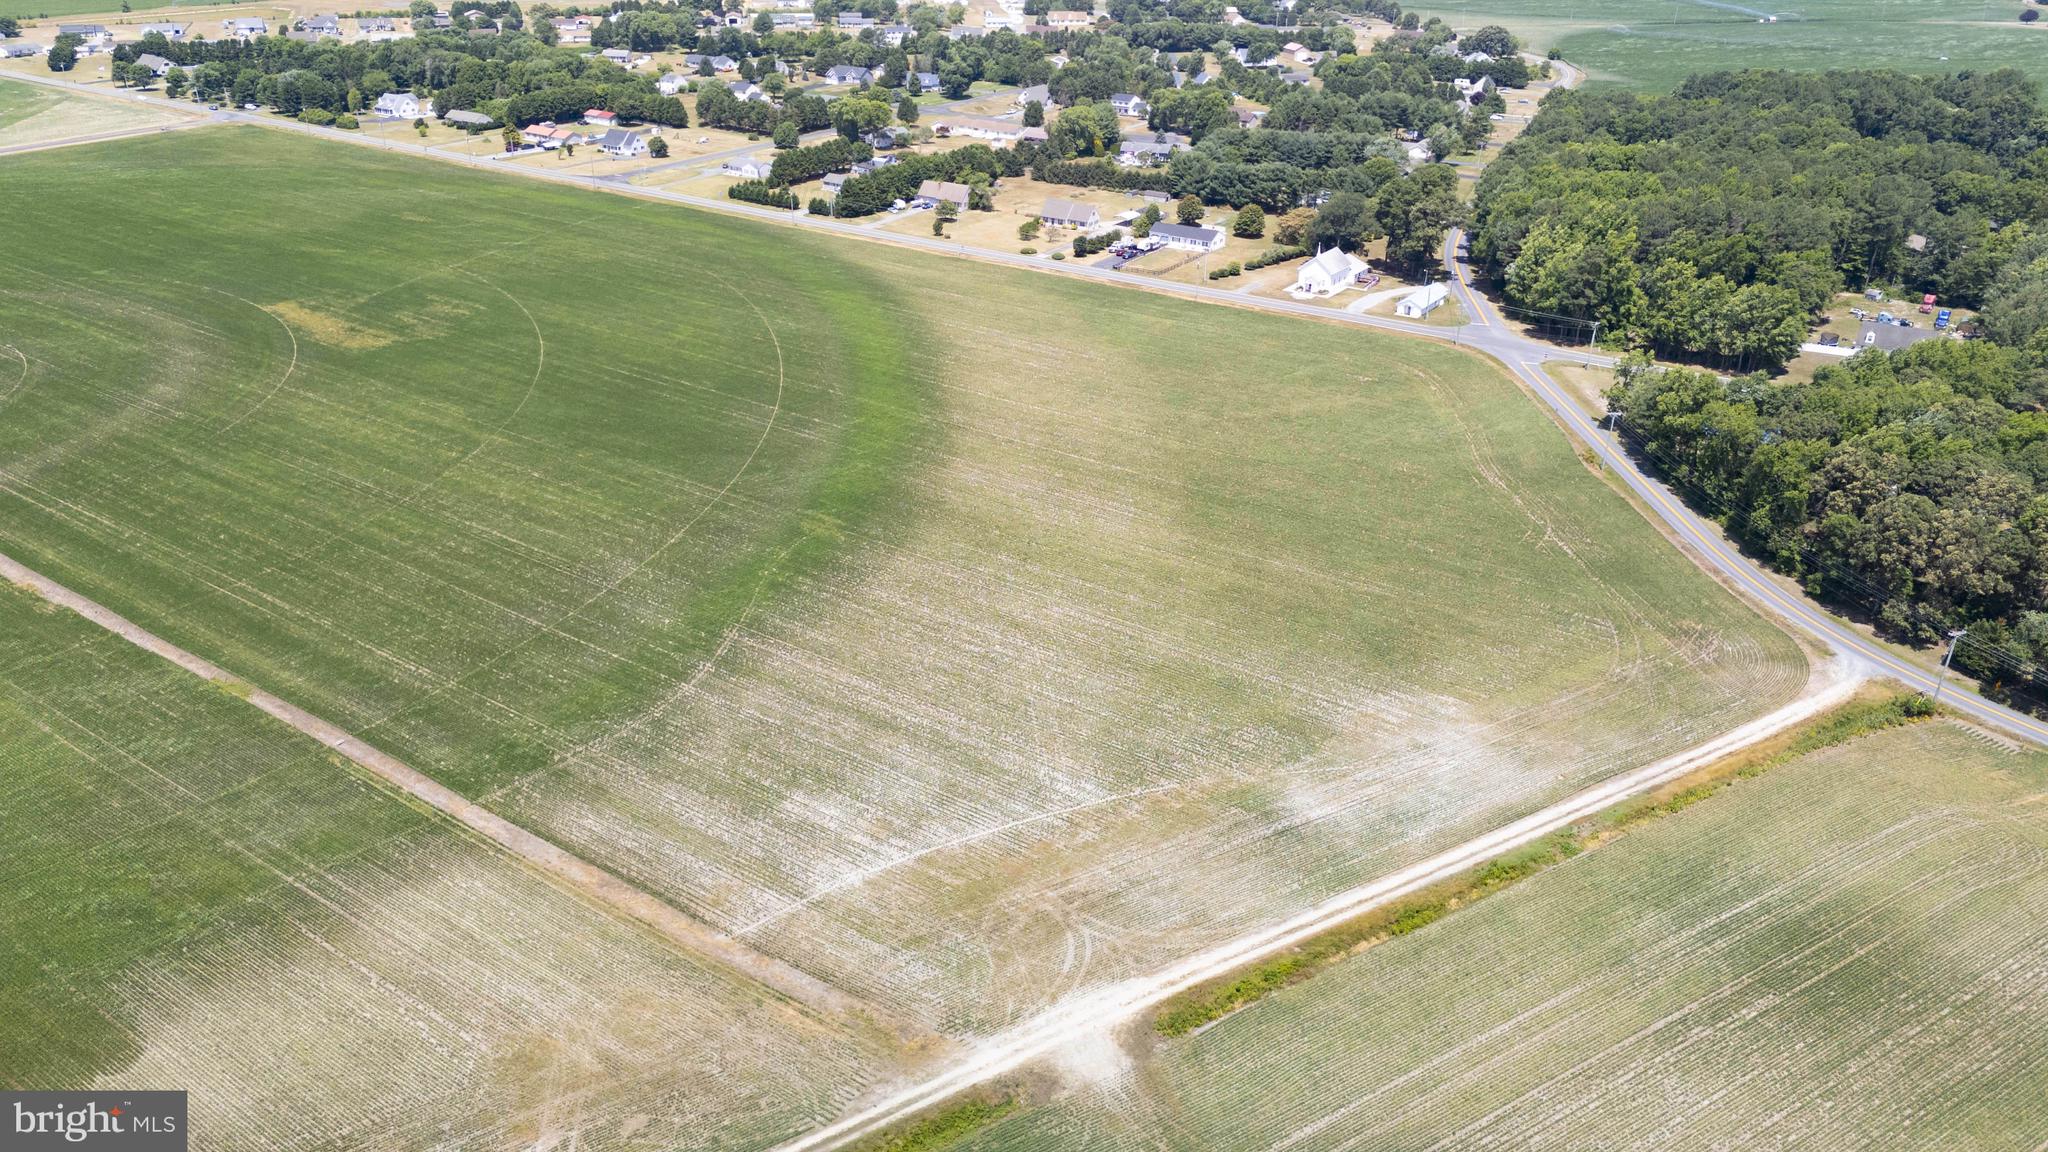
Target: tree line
[1909,488]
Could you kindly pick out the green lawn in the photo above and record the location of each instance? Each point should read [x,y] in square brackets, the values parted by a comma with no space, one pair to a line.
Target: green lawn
[964,636]
[1655,44]
[199,898]
[1845,952]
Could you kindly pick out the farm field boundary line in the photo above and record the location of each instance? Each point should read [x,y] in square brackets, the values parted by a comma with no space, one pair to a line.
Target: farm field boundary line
[1099,1012]
[572,872]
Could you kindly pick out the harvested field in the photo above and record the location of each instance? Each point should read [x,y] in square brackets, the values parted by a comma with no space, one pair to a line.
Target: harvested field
[34,114]
[964,637]
[199,898]
[1846,952]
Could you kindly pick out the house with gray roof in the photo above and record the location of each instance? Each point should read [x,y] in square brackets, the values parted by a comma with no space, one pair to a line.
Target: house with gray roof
[1129,104]
[157,65]
[1189,237]
[171,32]
[324,25]
[622,144]
[245,27]
[849,74]
[1060,212]
[464,118]
[932,193]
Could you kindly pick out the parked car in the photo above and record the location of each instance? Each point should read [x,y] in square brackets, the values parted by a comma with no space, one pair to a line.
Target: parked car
[1942,318]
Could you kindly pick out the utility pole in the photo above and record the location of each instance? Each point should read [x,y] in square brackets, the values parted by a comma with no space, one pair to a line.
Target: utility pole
[1953,638]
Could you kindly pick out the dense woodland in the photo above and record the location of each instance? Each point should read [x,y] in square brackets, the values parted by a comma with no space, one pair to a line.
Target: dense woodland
[1910,488]
[1713,223]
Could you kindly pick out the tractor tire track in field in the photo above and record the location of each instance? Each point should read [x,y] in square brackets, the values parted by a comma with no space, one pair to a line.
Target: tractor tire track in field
[288,369]
[576,875]
[1087,1019]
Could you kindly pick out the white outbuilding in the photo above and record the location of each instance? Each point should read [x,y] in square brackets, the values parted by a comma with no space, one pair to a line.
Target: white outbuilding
[1423,300]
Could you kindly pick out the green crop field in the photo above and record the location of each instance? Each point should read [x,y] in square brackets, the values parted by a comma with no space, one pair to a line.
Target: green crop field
[52,9]
[1654,45]
[965,637]
[200,898]
[1849,951]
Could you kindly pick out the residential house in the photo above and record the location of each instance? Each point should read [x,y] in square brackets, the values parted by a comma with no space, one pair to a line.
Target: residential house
[832,182]
[876,163]
[171,32]
[793,20]
[573,29]
[986,128]
[748,90]
[1146,148]
[322,25]
[91,37]
[245,28]
[672,83]
[464,118]
[747,169]
[1420,154]
[965,32]
[618,56]
[1038,92]
[377,28]
[893,35]
[18,50]
[927,81]
[548,134]
[156,64]
[441,20]
[849,74]
[1249,117]
[1471,92]
[1477,58]
[403,105]
[1299,79]
[1129,104]
[853,21]
[1332,271]
[886,138]
[1189,237]
[1060,212]
[1067,19]
[1423,300]
[599,118]
[621,144]
[932,193]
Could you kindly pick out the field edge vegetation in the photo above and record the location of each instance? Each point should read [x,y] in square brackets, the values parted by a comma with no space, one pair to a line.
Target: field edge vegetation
[1874,710]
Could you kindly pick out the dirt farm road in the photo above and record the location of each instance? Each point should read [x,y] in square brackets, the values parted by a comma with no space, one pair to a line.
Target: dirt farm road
[578,875]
